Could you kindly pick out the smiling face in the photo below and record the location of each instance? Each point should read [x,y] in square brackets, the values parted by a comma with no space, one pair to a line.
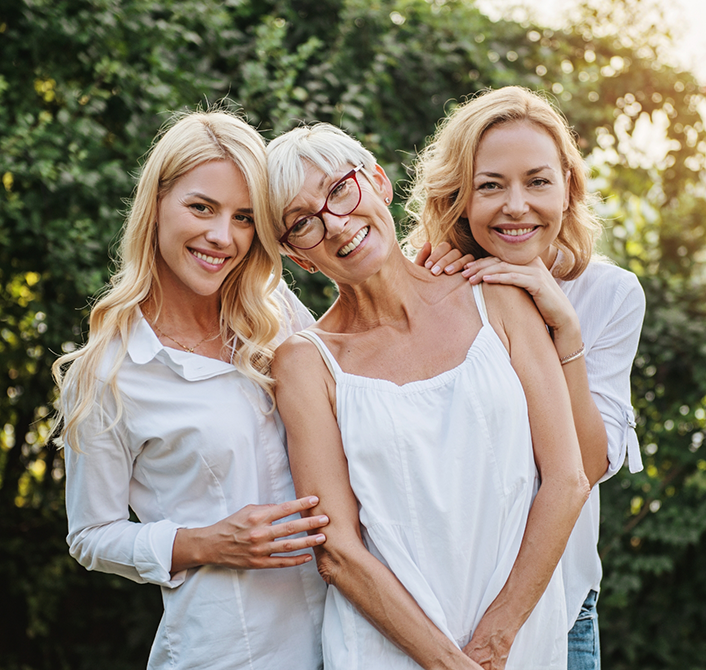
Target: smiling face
[519,193]
[355,245]
[205,228]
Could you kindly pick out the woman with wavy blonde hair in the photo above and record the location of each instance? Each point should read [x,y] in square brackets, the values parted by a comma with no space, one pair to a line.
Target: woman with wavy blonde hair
[167,412]
[444,177]
[503,180]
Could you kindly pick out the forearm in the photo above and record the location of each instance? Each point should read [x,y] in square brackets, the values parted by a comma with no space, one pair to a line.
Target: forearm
[382,599]
[588,422]
[549,524]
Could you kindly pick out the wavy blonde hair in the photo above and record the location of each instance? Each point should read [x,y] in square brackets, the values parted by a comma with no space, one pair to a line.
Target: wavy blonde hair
[443,179]
[249,313]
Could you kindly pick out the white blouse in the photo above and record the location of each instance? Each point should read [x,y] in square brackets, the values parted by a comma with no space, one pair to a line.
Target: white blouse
[193,446]
[610,305]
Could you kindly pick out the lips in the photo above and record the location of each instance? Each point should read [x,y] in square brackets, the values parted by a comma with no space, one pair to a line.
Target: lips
[516,234]
[211,260]
[354,243]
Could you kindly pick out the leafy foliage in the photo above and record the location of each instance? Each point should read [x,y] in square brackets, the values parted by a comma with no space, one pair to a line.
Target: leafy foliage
[85,85]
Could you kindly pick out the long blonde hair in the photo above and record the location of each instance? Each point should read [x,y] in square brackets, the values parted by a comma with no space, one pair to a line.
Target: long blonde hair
[443,179]
[249,313]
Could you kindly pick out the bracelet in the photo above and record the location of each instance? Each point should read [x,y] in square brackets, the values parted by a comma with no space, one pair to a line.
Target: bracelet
[572,357]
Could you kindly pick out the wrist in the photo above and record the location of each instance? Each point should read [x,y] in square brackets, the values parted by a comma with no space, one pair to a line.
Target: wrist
[189,549]
[567,340]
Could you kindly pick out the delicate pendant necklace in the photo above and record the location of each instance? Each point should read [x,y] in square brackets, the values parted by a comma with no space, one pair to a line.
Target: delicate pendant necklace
[183,346]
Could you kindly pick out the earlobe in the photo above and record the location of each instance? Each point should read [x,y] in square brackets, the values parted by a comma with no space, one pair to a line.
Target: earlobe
[304,265]
[383,183]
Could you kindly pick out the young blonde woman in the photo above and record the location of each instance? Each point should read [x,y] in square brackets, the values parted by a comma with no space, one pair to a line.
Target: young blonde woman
[167,413]
[432,421]
[483,188]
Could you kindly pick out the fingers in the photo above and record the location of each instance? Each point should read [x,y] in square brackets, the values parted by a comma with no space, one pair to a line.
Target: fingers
[285,509]
[423,254]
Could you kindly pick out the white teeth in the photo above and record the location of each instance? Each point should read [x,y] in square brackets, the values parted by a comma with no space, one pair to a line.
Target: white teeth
[353,244]
[516,232]
[208,259]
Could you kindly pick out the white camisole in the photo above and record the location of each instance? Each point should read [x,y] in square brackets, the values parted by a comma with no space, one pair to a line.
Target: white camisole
[444,474]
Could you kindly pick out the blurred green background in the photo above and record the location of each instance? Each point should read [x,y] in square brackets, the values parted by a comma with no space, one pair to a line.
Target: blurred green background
[84,87]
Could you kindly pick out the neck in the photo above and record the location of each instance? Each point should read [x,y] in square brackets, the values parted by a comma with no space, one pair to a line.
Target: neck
[549,256]
[190,315]
[386,298]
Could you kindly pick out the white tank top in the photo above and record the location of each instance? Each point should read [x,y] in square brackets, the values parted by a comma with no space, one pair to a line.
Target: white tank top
[444,474]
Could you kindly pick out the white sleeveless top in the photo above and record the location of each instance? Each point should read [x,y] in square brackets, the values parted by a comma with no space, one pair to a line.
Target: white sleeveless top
[444,474]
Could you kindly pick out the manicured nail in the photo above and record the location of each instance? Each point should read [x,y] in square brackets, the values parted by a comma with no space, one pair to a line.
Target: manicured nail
[323,519]
[449,268]
[427,265]
[307,558]
[436,270]
[313,500]
[320,539]
[466,273]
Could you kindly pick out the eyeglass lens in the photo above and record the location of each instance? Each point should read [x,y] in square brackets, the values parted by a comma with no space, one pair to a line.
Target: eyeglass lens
[341,201]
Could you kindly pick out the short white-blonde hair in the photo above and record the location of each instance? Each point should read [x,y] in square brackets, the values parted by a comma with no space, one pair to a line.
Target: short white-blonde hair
[322,145]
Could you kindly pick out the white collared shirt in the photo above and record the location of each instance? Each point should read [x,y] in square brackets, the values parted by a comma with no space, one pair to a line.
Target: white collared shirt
[192,447]
[610,305]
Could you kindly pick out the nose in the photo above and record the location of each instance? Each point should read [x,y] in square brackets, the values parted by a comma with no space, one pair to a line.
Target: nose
[219,232]
[334,224]
[516,203]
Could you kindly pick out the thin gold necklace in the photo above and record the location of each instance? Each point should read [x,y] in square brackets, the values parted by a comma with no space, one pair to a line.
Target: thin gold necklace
[183,346]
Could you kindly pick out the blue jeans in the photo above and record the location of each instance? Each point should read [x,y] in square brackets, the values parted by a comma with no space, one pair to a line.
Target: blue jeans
[584,645]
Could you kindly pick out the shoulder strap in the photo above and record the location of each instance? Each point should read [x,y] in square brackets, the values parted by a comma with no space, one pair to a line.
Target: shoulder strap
[329,360]
[480,302]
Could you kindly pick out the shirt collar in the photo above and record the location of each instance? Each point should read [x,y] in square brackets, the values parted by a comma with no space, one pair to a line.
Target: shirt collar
[144,346]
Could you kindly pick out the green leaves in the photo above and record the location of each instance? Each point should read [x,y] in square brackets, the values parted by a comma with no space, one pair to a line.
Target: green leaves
[86,84]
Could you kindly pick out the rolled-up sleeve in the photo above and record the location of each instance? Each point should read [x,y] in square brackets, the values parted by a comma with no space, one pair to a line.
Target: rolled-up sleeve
[609,360]
[101,536]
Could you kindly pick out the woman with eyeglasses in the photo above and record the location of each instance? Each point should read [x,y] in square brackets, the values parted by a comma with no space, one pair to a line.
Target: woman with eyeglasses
[168,413]
[481,187]
[431,420]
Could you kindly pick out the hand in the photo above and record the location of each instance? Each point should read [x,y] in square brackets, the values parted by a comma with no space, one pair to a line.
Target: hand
[443,258]
[555,308]
[491,652]
[249,538]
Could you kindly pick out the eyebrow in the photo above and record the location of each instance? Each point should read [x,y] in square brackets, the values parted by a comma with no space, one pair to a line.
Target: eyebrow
[528,173]
[211,201]
[196,194]
[294,210]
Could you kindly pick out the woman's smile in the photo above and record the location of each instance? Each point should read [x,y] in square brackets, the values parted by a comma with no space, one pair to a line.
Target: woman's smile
[354,243]
[519,193]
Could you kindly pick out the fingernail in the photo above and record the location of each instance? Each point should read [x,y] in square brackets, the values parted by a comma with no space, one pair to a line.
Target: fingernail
[427,265]
[307,558]
[449,268]
[323,519]
[313,500]
[320,539]
[466,273]
[436,270]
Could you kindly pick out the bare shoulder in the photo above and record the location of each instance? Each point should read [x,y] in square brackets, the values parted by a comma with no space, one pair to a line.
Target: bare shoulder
[507,302]
[294,356]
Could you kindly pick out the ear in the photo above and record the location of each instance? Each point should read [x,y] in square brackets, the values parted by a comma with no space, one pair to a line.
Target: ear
[305,265]
[567,190]
[383,183]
